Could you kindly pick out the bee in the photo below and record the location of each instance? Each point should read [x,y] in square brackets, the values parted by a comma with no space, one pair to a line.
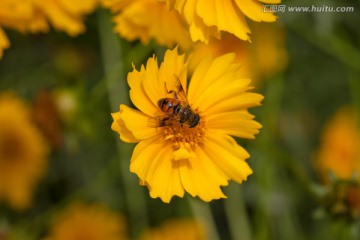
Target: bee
[175,110]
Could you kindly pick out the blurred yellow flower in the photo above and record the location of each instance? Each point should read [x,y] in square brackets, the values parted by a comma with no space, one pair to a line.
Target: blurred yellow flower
[85,221]
[32,15]
[261,59]
[67,15]
[207,18]
[22,152]
[176,229]
[20,16]
[147,19]
[193,156]
[340,147]
[4,42]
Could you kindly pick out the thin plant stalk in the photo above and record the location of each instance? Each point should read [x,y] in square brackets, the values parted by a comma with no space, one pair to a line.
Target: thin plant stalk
[115,76]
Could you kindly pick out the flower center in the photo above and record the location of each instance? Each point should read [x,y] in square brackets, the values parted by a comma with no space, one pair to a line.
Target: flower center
[10,147]
[181,135]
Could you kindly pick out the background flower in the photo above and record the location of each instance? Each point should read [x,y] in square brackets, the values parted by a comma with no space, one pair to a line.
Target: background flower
[208,18]
[338,162]
[176,158]
[87,221]
[67,15]
[259,60]
[4,42]
[22,152]
[339,153]
[149,19]
[176,229]
[21,16]
[32,16]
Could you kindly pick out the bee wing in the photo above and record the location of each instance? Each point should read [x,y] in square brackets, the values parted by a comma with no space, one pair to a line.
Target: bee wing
[174,86]
[158,121]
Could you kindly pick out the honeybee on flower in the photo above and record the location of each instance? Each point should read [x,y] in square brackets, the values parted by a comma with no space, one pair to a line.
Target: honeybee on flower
[176,110]
[179,156]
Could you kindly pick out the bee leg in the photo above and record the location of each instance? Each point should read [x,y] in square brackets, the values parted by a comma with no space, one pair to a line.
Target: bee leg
[171,91]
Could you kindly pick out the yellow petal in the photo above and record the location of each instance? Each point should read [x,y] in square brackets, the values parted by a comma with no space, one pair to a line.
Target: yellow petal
[253,10]
[227,155]
[137,123]
[174,64]
[153,162]
[119,127]
[197,79]
[4,42]
[138,94]
[201,177]
[237,123]
[211,71]
[20,194]
[233,102]
[216,87]
[79,7]
[187,8]
[223,14]
[153,86]
[270,1]
[200,32]
[222,88]
[61,19]
[135,21]
[146,154]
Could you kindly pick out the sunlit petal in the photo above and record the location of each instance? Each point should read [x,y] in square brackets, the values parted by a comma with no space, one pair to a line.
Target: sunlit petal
[228,156]
[238,123]
[207,18]
[158,169]
[23,152]
[4,42]
[201,177]
[253,10]
[137,123]
[134,21]
[138,94]
[119,126]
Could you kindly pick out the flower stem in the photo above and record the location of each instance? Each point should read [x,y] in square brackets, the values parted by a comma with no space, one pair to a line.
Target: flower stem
[202,213]
[236,213]
[354,86]
[274,211]
[112,51]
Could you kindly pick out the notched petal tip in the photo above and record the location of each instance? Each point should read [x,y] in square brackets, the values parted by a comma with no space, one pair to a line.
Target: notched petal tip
[136,122]
[119,127]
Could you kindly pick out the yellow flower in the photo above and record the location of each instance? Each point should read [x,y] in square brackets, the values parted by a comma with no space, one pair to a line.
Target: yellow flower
[90,222]
[22,152]
[32,15]
[177,157]
[207,18]
[268,51]
[261,59]
[176,229]
[67,15]
[147,19]
[4,42]
[340,147]
[21,16]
